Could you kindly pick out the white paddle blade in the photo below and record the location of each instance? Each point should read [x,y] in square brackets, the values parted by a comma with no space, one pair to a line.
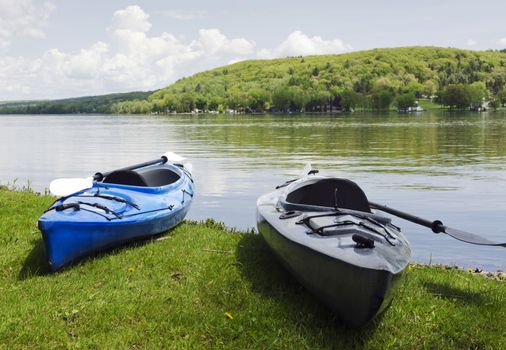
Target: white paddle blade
[176,158]
[306,170]
[66,186]
[173,157]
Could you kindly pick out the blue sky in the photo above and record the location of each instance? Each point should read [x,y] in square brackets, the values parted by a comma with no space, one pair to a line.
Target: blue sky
[56,48]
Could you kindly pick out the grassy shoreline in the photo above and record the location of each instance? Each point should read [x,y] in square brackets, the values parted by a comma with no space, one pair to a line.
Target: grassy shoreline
[204,286]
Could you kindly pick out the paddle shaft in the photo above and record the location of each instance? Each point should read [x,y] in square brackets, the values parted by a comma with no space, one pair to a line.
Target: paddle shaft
[436,226]
[100,176]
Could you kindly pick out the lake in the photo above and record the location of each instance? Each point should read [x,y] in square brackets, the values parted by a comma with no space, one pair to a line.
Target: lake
[441,165]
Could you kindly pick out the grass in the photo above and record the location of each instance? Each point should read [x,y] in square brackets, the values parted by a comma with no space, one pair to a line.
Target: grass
[203,286]
[428,105]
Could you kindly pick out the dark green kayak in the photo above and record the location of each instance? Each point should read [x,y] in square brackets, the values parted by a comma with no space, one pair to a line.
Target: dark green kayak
[323,231]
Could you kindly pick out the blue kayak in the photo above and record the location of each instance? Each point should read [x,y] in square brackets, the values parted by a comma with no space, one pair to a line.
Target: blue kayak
[125,205]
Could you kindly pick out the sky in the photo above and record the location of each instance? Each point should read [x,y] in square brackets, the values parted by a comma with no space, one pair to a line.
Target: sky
[68,48]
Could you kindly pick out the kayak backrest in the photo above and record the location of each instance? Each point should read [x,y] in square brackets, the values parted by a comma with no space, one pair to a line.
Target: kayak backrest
[125,177]
[323,193]
[144,178]
[159,177]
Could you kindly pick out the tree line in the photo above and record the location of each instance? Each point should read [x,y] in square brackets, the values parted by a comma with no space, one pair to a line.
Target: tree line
[87,104]
[375,79]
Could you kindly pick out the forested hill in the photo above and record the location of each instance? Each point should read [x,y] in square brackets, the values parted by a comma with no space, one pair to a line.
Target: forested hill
[374,79]
[367,78]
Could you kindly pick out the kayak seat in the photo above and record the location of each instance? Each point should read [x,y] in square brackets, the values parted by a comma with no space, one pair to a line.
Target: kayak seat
[323,193]
[159,177]
[125,177]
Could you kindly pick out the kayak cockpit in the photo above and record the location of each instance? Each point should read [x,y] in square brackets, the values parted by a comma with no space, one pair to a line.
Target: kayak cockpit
[144,178]
[332,192]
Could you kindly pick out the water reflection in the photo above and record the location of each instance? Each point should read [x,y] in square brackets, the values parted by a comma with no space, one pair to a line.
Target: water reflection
[439,165]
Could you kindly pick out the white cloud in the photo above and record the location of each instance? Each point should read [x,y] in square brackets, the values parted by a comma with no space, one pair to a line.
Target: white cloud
[298,43]
[22,18]
[131,18]
[471,42]
[213,42]
[182,15]
[86,63]
[131,58]
[502,41]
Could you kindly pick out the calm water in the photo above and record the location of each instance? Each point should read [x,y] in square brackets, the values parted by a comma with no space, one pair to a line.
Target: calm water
[440,166]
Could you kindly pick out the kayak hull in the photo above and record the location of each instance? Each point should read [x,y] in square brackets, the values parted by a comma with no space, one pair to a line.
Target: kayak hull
[67,242]
[352,293]
[355,283]
[72,234]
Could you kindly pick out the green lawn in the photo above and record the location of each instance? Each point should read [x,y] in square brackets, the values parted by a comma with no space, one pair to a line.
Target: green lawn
[429,105]
[202,286]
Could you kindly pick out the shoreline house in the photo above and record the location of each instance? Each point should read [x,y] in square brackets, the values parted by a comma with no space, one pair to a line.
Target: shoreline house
[481,106]
[415,108]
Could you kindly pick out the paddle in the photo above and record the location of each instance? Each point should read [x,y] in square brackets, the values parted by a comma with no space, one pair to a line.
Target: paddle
[65,186]
[437,226]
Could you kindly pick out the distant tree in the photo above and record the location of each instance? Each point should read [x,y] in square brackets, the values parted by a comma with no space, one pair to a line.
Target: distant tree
[289,98]
[363,84]
[381,97]
[185,103]
[501,96]
[281,98]
[158,105]
[200,102]
[455,96]
[496,82]
[214,102]
[297,98]
[237,99]
[463,96]
[142,107]
[477,91]
[317,99]
[495,103]
[258,98]
[404,101]
[429,88]
[349,99]
[133,107]
[413,87]
[170,102]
